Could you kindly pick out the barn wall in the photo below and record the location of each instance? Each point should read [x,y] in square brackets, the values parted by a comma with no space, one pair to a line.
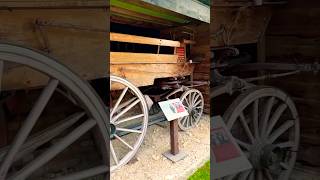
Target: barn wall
[202,70]
[237,25]
[293,36]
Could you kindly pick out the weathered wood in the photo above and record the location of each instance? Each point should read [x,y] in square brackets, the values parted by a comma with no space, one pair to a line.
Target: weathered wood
[145,74]
[223,3]
[141,58]
[143,40]
[74,39]
[174,143]
[202,69]
[53,3]
[234,26]
[198,11]
[44,136]
[3,128]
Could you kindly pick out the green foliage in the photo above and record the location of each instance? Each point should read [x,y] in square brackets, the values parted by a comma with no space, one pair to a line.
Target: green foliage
[202,173]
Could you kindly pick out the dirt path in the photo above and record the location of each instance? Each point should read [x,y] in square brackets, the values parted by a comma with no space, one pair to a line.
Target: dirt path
[150,164]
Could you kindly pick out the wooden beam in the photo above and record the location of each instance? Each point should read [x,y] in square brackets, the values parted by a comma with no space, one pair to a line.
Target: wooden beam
[141,58]
[54,4]
[143,40]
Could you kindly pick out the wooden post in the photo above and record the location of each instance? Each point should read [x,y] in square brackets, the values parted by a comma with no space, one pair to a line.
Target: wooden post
[174,137]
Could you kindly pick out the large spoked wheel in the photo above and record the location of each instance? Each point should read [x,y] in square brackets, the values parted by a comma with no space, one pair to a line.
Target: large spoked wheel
[192,99]
[129,121]
[36,144]
[265,124]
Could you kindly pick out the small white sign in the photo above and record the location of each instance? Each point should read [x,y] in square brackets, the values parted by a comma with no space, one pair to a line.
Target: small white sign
[226,156]
[173,109]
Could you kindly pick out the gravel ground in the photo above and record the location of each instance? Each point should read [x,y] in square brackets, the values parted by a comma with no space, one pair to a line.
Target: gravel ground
[151,164]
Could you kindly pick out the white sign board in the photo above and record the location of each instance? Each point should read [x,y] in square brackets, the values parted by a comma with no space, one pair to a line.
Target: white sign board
[227,157]
[173,109]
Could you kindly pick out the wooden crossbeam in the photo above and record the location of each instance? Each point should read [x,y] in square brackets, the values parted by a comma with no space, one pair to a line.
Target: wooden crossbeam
[141,58]
[143,40]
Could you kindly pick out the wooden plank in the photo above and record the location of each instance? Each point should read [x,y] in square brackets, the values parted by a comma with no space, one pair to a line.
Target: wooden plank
[234,26]
[141,58]
[53,3]
[191,8]
[143,40]
[83,51]
[145,74]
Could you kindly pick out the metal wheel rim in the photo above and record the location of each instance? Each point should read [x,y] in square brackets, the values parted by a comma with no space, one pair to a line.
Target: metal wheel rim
[59,74]
[193,101]
[144,108]
[249,97]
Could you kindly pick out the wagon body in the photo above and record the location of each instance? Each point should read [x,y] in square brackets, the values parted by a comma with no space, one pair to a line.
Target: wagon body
[142,69]
[62,28]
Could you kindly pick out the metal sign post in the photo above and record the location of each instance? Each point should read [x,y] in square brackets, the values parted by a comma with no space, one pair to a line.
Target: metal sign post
[174,109]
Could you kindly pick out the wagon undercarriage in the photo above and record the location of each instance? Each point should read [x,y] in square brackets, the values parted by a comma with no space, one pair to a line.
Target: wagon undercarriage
[263,120]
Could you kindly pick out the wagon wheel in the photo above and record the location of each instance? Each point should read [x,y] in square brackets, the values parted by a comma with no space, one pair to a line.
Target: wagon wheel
[192,99]
[91,114]
[265,124]
[129,121]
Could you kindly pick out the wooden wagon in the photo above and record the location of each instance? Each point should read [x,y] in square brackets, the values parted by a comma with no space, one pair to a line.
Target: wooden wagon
[48,51]
[147,66]
[168,75]
[263,119]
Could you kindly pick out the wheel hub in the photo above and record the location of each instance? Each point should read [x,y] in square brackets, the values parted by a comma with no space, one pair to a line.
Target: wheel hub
[112,130]
[266,156]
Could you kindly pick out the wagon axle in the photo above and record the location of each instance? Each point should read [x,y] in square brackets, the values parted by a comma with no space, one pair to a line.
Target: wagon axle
[266,156]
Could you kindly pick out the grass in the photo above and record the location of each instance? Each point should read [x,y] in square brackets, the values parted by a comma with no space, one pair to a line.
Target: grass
[202,173]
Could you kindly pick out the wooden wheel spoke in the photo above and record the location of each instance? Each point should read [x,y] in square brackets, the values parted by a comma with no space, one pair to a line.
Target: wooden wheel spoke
[55,150]
[270,116]
[230,177]
[244,145]
[113,153]
[252,175]
[285,166]
[186,101]
[195,98]
[123,141]
[127,112]
[1,73]
[266,114]
[30,121]
[259,175]
[85,173]
[129,119]
[114,109]
[288,144]
[192,98]
[44,136]
[124,111]
[126,103]
[268,174]
[282,129]
[129,130]
[183,121]
[256,118]
[246,127]
[275,117]
[196,104]
[191,120]
[244,175]
[188,121]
